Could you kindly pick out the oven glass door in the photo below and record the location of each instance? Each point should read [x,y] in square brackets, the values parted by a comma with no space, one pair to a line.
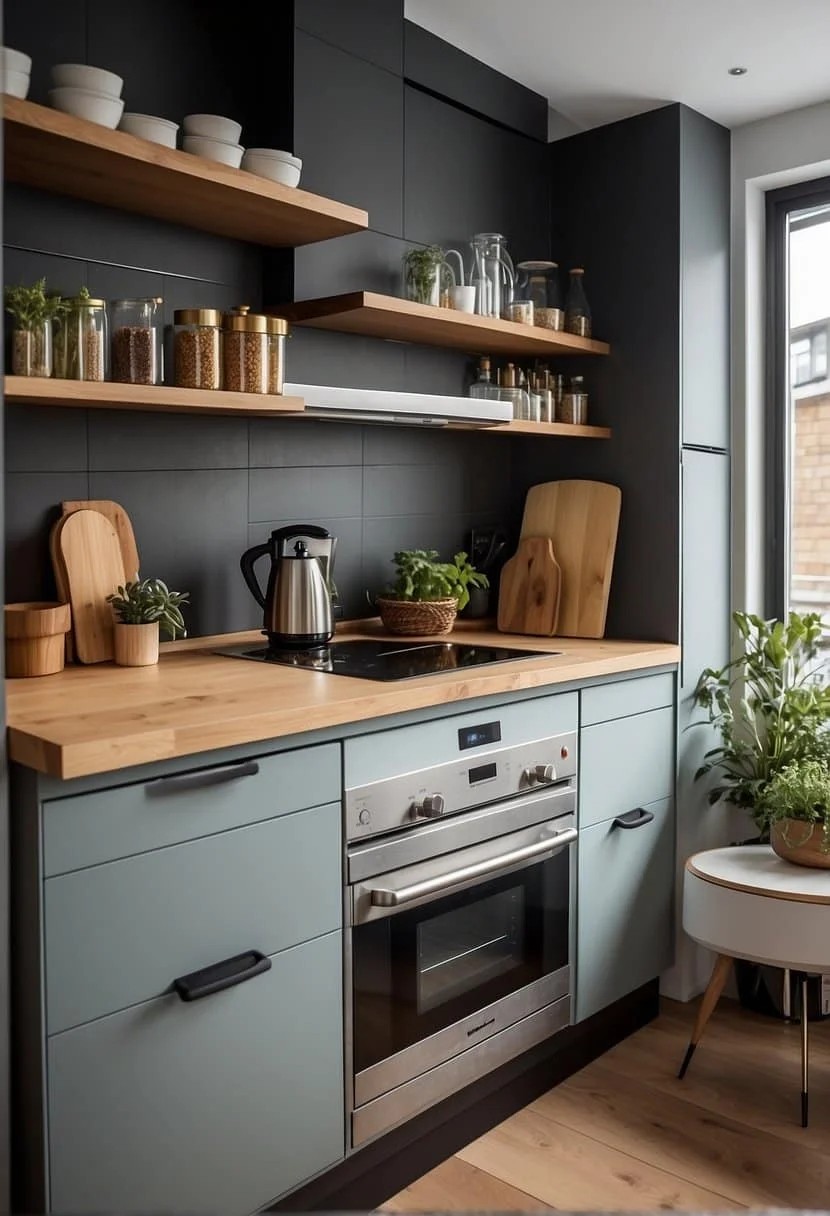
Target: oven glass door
[421,970]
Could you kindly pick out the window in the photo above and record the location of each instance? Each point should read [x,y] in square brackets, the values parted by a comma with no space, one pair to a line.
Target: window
[798,435]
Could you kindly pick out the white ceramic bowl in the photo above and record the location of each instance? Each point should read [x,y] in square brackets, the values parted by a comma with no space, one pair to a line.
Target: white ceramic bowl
[213,126]
[145,126]
[214,149]
[274,170]
[106,111]
[276,154]
[82,76]
[15,61]
[16,84]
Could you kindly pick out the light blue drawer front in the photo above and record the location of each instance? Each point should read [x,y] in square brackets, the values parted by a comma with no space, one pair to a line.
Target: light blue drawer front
[625,908]
[624,697]
[404,749]
[220,1105]
[88,829]
[624,764]
[121,933]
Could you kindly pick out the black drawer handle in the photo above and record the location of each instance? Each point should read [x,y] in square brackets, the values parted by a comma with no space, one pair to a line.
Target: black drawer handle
[222,975]
[202,780]
[634,819]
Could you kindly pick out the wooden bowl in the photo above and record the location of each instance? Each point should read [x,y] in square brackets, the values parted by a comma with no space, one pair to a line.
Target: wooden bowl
[35,638]
[801,843]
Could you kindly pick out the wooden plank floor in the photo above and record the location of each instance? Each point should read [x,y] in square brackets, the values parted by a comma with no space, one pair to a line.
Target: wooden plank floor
[625,1134]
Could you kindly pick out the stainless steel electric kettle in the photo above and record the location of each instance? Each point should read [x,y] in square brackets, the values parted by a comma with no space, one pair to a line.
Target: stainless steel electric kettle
[297,602]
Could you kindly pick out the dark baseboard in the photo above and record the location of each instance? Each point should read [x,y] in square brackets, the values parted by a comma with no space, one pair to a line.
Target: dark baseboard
[363,1181]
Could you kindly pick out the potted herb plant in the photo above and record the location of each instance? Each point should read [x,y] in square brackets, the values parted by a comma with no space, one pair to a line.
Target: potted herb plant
[142,609]
[796,809]
[427,593]
[33,313]
[427,276]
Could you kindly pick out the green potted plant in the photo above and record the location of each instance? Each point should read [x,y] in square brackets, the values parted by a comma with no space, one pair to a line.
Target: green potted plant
[142,609]
[427,593]
[796,809]
[33,313]
[768,705]
[427,276]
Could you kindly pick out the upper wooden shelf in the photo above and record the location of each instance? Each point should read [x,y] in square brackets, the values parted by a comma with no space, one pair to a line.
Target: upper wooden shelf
[378,316]
[155,398]
[66,155]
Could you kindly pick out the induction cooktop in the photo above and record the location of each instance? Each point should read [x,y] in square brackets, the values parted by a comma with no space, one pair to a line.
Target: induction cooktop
[370,659]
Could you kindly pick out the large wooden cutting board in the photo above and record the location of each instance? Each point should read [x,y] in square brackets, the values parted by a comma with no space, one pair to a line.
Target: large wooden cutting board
[581,518]
[529,590]
[61,581]
[91,554]
[122,523]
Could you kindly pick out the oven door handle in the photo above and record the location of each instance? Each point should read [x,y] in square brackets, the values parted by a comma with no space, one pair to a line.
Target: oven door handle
[384,897]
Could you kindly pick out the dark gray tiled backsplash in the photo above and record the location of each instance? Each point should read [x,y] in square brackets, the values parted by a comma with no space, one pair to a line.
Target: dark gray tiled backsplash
[122,440]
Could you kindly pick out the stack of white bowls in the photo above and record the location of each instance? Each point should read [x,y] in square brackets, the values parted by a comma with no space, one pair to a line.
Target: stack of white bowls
[16,71]
[90,93]
[146,126]
[274,164]
[213,137]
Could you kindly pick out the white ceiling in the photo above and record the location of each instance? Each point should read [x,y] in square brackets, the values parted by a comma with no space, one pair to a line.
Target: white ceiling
[600,60]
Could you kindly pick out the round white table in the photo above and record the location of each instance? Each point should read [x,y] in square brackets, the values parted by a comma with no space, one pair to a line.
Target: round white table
[746,902]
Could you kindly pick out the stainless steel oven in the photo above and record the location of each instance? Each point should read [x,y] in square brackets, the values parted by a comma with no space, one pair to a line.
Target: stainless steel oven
[458,940]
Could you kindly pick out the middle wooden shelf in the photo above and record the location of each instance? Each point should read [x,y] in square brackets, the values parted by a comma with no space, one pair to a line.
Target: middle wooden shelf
[378,316]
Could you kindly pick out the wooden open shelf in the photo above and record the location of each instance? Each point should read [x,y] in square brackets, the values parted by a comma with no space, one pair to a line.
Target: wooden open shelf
[563,430]
[378,316]
[66,155]
[162,399]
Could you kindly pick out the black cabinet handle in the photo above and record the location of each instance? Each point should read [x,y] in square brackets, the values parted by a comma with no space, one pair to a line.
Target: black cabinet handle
[634,819]
[222,975]
[202,780]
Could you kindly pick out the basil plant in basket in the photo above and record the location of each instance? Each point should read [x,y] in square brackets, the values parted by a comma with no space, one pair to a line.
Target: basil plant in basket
[142,610]
[428,593]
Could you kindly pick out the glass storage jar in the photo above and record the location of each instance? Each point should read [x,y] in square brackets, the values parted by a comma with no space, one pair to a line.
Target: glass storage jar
[81,340]
[246,341]
[32,349]
[277,333]
[137,341]
[577,309]
[538,282]
[197,347]
[574,406]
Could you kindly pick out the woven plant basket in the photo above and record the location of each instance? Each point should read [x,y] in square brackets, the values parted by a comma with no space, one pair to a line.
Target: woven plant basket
[418,618]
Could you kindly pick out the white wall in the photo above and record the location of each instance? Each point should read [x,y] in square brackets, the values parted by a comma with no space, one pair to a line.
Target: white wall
[779,151]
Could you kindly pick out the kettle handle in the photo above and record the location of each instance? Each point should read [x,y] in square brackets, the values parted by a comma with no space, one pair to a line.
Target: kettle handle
[281,534]
[246,564]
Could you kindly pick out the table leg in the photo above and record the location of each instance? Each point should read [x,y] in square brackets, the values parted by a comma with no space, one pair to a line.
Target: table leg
[708,1001]
[805,1029]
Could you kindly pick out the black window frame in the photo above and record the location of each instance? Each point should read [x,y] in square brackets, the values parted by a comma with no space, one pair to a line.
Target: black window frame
[780,205]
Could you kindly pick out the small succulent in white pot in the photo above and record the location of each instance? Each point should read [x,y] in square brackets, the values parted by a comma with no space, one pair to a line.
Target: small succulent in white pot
[143,610]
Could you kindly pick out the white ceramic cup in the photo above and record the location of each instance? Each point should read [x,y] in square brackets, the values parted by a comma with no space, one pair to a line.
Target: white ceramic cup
[463,298]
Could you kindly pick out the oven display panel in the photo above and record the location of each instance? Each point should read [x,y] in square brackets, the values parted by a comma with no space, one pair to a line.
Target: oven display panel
[484,772]
[479,736]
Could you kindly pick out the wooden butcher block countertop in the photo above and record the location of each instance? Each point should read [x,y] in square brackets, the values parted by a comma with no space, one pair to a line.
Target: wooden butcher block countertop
[102,718]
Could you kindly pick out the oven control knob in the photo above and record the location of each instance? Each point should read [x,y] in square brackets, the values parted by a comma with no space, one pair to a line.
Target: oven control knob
[430,807]
[540,774]
[363,818]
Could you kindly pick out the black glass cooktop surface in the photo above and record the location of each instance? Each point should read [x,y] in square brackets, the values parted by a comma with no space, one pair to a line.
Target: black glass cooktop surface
[370,659]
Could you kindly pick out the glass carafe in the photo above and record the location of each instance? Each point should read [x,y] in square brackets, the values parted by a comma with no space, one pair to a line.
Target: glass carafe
[428,277]
[493,274]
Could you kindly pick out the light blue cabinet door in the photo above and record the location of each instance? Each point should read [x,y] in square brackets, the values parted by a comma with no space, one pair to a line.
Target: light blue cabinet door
[624,907]
[625,763]
[220,1105]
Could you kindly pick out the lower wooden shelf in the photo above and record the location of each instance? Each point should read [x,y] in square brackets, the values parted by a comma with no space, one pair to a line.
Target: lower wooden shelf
[564,430]
[152,398]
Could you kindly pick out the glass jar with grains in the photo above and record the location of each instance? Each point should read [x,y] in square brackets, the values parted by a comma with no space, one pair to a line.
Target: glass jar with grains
[137,341]
[197,347]
[81,339]
[277,333]
[246,338]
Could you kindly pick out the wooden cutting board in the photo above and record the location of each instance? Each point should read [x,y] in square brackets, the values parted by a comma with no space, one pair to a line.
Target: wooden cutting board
[122,523]
[582,519]
[91,553]
[61,581]
[529,589]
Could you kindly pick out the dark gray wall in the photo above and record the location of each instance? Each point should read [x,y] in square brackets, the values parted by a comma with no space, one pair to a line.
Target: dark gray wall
[344,85]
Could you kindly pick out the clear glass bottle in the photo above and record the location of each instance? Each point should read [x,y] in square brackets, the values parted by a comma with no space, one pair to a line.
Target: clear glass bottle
[246,341]
[577,308]
[483,387]
[197,348]
[510,390]
[538,282]
[277,334]
[32,350]
[137,341]
[81,340]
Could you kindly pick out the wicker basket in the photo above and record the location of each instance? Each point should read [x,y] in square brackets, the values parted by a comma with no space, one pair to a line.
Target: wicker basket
[418,618]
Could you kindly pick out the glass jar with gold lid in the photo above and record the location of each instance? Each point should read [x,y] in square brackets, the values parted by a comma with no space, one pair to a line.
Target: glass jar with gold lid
[81,339]
[277,333]
[197,347]
[246,340]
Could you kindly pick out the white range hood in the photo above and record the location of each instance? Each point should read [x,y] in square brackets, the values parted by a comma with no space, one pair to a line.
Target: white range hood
[405,409]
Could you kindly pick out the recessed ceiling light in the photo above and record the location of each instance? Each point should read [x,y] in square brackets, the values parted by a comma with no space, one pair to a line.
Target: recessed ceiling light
[738,71]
